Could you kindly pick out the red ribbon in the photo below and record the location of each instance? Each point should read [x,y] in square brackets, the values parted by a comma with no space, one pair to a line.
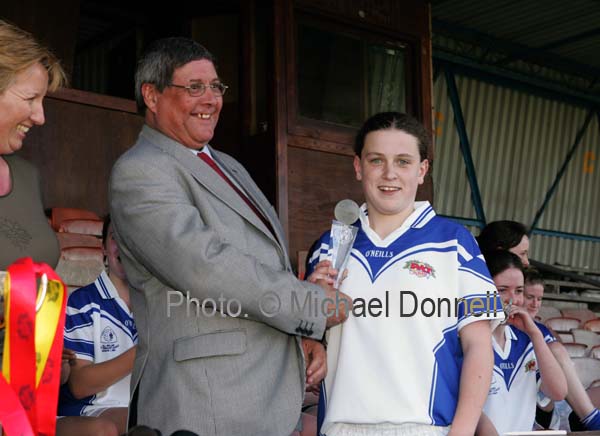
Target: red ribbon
[38,400]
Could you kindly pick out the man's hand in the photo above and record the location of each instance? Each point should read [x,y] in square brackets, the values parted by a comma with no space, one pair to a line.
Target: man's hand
[315,357]
[339,305]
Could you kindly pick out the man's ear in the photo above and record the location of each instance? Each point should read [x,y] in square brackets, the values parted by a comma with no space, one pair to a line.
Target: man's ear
[151,96]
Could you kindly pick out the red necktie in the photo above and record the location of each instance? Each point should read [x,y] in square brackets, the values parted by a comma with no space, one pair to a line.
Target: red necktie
[211,163]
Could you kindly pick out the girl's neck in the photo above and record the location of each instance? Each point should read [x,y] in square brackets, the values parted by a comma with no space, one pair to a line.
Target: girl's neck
[384,225]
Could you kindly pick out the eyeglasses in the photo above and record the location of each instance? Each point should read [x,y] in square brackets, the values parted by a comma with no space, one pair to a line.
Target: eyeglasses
[198,89]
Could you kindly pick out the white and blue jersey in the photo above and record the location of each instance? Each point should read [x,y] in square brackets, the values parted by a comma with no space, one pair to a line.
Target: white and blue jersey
[98,327]
[548,336]
[511,401]
[398,358]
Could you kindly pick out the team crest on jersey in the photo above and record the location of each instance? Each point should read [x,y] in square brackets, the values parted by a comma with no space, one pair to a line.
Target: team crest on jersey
[108,340]
[531,365]
[420,269]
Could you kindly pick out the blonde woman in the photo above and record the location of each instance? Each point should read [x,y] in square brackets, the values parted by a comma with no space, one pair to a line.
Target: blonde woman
[27,72]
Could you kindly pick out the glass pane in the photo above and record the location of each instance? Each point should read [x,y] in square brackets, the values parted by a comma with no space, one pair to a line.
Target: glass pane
[343,79]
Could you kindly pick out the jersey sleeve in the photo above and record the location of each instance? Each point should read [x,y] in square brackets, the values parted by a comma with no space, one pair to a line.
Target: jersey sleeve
[320,250]
[548,336]
[79,325]
[479,297]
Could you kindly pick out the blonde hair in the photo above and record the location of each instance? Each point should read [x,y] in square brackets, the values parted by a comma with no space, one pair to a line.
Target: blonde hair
[19,50]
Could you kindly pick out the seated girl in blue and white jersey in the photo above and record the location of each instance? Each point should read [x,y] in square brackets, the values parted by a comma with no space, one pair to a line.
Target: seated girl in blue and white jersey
[522,357]
[99,329]
[512,236]
[415,355]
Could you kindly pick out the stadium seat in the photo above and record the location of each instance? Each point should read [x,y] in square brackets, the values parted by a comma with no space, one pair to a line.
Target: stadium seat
[582,315]
[592,325]
[546,312]
[79,266]
[82,226]
[576,349]
[595,353]
[587,337]
[68,240]
[562,324]
[60,214]
[565,337]
[587,369]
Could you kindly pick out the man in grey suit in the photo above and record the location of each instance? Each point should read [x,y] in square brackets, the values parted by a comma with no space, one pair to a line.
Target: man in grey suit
[217,306]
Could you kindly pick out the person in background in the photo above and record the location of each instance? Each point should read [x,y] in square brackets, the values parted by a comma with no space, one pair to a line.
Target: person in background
[512,236]
[521,355]
[505,235]
[27,72]
[392,373]
[101,333]
[547,415]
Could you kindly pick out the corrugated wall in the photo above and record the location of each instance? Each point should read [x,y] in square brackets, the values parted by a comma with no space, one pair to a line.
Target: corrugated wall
[519,142]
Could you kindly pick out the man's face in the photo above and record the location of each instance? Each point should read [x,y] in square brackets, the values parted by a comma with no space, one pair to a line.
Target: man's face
[390,170]
[188,120]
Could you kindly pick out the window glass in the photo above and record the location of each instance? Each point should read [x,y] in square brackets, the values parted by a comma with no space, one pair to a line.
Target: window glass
[343,79]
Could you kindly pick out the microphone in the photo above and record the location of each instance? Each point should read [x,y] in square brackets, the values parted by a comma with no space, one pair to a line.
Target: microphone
[342,235]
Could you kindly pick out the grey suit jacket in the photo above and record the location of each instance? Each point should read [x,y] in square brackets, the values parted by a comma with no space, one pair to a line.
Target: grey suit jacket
[184,234]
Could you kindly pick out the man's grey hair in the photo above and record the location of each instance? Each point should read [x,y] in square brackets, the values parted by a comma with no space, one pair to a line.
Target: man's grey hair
[161,59]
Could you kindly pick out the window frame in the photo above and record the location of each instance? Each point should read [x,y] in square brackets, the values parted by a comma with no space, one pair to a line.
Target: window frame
[337,136]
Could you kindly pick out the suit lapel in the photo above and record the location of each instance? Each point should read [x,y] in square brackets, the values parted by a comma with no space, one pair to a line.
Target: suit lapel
[256,196]
[207,177]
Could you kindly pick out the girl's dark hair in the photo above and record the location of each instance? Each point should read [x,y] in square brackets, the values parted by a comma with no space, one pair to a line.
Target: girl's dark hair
[500,260]
[501,235]
[533,276]
[393,121]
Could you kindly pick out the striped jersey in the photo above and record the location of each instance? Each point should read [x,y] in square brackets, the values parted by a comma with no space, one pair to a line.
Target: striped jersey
[397,359]
[98,327]
[512,398]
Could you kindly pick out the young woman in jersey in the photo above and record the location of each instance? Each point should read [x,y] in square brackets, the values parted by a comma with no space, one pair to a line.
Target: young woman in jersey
[520,355]
[99,328]
[403,364]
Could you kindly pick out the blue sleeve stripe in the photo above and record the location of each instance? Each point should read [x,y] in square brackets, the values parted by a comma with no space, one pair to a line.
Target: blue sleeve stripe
[478,265]
[80,347]
[478,275]
[73,322]
[463,254]
[443,340]
[432,390]
[321,408]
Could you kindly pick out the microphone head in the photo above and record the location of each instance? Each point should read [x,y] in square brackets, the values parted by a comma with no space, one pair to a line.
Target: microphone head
[347,211]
